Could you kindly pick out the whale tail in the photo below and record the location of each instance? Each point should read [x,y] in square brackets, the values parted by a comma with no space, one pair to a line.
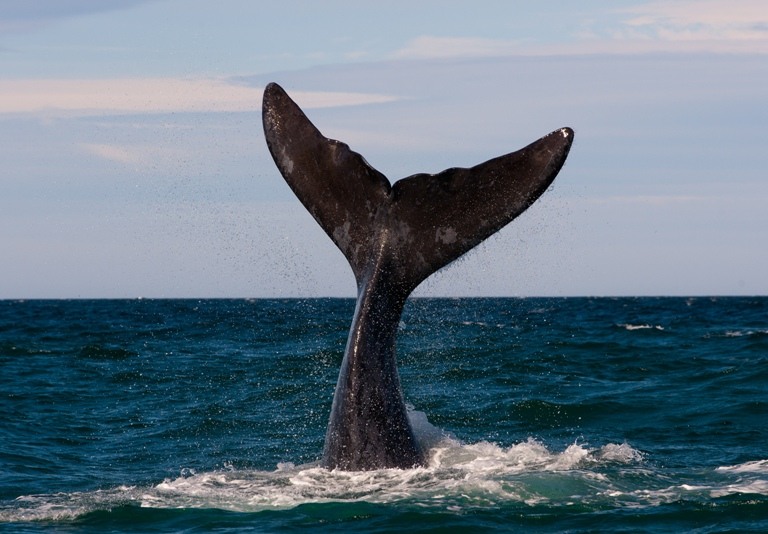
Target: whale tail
[425,220]
[394,236]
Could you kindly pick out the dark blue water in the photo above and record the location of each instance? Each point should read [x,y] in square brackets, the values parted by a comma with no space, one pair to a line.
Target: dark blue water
[543,415]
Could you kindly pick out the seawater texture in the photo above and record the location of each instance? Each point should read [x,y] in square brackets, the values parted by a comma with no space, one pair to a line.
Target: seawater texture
[541,415]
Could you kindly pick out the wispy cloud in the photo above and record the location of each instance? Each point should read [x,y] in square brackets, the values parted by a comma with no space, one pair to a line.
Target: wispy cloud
[316,99]
[734,26]
[717,26]
[111,152]
[153,95]
[136,155]
[702,20]
[434,47]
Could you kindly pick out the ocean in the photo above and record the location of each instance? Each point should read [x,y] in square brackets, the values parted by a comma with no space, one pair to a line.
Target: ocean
[540,414]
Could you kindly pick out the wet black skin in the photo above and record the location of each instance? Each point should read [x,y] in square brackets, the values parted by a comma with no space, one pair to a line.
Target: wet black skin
[394,236]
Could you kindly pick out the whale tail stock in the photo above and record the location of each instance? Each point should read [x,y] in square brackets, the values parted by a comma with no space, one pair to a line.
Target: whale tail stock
[394,236]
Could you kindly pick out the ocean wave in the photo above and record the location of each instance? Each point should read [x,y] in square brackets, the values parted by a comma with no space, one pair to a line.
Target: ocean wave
[458,477]
[759,466]
[746,333]
[631,327]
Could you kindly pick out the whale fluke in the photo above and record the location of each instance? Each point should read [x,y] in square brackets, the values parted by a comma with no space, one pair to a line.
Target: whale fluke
[394,236]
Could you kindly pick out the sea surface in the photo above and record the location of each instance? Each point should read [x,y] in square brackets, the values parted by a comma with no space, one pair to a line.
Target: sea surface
[541,415]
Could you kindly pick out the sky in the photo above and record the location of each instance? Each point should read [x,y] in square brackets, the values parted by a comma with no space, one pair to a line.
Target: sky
[134,162]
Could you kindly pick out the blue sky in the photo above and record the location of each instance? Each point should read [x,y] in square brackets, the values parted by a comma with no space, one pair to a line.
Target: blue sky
[134,163]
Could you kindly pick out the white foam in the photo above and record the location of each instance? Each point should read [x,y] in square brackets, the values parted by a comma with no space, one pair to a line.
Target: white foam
[759,466]
[746,478]
[632,327]
[755,487]
[457,477]
[65,506]
[622,453]
[742,333]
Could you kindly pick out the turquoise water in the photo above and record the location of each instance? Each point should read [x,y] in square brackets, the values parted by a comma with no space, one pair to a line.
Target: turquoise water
[542,415]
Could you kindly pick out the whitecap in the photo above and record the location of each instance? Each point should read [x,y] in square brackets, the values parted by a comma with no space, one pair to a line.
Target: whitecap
[756,487]
[632,327]
[619,453]
[743,333]
[759,466]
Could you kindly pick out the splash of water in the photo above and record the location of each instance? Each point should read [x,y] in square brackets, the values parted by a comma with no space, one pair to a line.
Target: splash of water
[457,477]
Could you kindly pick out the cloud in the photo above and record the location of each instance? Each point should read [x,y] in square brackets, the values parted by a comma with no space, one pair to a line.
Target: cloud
[316,99]
[138,156]
[433,47]
[154,95]
[734,26]
[735,20]
[111,152]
